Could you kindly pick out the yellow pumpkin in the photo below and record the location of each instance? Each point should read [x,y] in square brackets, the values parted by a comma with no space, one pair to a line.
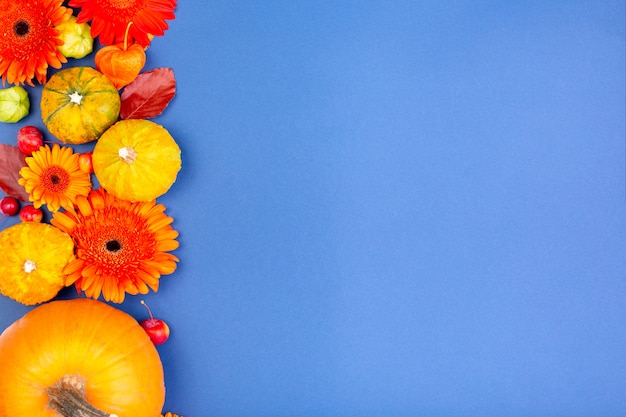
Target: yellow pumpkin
[35,254]
[136,160]
[66,355]
[78,104]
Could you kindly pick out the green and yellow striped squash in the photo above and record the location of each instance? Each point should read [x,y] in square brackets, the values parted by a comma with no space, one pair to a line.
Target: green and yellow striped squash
[78,104]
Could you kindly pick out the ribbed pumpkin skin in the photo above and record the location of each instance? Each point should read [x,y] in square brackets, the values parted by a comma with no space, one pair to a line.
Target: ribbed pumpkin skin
[155,168]
[104,346]
[75,123]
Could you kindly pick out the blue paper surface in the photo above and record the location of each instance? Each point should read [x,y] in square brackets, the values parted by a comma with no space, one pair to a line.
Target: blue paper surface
[399,208]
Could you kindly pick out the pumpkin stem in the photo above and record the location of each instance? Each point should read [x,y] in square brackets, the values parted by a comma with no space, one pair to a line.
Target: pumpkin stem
[126,35]
[29,266]
[127,154]
[67,399]
[75,98]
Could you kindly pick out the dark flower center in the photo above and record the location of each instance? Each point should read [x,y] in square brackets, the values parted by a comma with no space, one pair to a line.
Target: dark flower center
[55,179]
[113,246]
[21,28]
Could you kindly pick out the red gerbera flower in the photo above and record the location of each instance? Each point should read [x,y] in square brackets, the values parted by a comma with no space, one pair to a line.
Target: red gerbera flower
[29,41]
[109,18]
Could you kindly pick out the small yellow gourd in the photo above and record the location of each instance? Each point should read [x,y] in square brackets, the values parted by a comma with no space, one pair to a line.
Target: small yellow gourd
[35,254]
[136,160]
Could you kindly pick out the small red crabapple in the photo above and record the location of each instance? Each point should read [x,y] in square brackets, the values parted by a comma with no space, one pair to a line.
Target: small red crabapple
[29,139]
[29,213]
[85,163]
[9,206]
[157,329]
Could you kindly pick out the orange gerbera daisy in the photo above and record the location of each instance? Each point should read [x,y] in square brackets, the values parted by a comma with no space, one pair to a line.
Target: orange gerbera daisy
[29,42]
[53,177]
[109,18]
[120,246]
[170,414]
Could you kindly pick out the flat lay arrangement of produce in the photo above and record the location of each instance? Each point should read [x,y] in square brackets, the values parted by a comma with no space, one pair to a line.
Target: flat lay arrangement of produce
[89,218]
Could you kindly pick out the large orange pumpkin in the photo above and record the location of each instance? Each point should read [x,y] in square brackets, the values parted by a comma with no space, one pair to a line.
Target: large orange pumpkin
[79,354]
[78,104]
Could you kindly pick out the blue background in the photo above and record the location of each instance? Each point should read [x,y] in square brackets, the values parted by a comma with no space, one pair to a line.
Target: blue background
[393,208]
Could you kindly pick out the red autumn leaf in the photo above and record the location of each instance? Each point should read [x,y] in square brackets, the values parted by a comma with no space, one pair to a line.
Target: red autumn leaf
[149,94]
[11,161]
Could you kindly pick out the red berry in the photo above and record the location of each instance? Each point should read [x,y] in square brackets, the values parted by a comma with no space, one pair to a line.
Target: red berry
[29,139]
[157,329]
[29,213]
[84,162]
[9,206]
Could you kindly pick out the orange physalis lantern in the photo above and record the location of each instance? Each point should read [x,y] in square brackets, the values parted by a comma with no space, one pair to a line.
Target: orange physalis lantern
[121,63]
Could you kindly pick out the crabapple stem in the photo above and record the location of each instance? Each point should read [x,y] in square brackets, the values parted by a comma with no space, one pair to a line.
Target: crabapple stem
[148,308]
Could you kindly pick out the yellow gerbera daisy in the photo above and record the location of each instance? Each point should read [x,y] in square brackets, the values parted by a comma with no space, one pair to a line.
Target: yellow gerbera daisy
[169,414]
[33,258]
[120,246]
[53,177]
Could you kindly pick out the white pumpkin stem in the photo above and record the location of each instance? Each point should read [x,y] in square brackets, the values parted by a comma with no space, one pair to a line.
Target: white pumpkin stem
[127,154]
[76,98]
[29,266]
[68,400]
